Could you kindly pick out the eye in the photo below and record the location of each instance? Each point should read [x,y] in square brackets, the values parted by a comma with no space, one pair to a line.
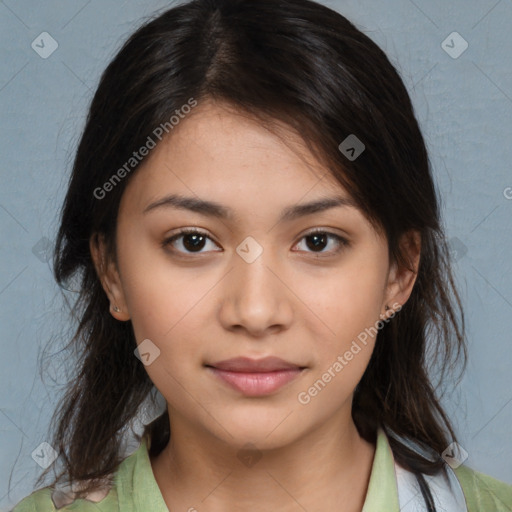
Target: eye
[318,239]
[192,241]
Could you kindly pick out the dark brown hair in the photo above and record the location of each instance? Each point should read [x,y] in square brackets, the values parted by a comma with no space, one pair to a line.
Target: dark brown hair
[302,64]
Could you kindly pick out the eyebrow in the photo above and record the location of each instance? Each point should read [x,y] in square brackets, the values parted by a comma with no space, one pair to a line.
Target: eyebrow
[213,209]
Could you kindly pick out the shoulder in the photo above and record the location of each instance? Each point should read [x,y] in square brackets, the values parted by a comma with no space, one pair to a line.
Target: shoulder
[38,500]
[483,492]
[47,500]
[118,492]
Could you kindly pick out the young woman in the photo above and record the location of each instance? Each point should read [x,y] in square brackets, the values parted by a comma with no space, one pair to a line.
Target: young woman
[256,235]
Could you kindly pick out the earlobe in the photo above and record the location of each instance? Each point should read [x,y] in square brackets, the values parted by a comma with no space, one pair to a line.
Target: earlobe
[401,278]
[108,275]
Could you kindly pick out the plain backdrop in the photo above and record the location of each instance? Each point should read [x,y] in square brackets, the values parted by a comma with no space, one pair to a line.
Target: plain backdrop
[463,100]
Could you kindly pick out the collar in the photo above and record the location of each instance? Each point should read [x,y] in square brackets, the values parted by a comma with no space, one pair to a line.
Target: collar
[382,493]
[136,485]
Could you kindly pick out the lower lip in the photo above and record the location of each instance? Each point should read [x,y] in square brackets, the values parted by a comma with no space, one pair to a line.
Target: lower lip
[257,384]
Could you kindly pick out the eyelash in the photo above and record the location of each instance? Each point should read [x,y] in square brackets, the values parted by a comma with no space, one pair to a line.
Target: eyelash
[186,231]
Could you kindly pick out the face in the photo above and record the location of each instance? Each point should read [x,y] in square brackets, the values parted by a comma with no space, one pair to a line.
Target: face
[252,279]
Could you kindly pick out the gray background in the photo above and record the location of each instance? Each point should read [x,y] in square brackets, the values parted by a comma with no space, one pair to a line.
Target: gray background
[464,105]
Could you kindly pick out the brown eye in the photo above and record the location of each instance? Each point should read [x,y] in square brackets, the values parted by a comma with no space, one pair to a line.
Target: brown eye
[188,241]
[317,241]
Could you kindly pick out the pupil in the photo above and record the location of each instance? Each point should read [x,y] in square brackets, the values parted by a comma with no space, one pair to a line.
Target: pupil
[194,241]
[196,244]
[317,238]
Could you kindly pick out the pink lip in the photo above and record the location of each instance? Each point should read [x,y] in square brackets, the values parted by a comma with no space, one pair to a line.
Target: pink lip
[257,384]
[255,377]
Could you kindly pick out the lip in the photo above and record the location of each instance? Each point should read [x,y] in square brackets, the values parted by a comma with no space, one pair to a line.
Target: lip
[248,365]
[255,377]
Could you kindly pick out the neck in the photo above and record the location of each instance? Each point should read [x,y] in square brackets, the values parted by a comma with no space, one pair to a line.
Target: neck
[325,467]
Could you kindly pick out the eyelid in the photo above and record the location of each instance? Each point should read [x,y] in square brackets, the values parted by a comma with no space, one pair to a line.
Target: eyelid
[327,231]
[191,229]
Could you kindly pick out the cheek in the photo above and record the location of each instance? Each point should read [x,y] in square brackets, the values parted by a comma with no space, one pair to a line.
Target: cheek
[342,302]
[346,309]
[346,305]
[165,308]
[159,294]
[166,305]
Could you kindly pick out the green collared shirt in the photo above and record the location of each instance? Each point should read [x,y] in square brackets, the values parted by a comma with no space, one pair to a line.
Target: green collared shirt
[135,488]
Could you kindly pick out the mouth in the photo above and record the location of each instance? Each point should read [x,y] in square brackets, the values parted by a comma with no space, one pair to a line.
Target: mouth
[255,377]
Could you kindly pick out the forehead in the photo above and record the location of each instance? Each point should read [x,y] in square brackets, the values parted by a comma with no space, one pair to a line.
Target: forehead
[217,152]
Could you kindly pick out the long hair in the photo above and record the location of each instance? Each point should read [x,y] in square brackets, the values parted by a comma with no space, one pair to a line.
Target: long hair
[289,61]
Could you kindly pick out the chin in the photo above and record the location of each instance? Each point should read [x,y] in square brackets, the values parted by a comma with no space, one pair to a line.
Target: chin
[265,431]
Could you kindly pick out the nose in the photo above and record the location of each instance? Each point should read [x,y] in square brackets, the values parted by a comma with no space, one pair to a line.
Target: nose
[256,297]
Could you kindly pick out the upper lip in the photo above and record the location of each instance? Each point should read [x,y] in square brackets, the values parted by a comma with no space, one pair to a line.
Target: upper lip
[246,364]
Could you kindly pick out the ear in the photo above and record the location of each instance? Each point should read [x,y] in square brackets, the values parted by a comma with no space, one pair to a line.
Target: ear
[109,276]
[401,278]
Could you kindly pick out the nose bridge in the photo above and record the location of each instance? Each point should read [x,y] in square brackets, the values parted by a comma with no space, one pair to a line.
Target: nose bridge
[255,297]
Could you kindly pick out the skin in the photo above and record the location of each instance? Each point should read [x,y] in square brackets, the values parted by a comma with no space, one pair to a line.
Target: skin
[296,302]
